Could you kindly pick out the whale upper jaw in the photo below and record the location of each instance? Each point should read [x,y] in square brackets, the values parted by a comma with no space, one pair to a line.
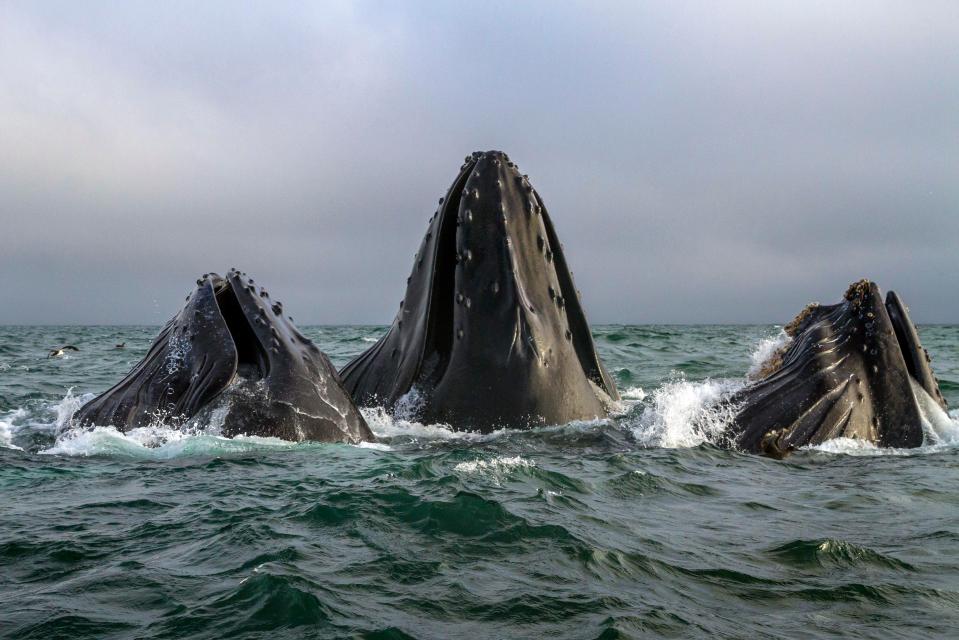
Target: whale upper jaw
[490,311]
[232,347]
[848,372]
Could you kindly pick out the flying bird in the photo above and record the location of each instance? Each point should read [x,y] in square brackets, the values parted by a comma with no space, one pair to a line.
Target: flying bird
[56,353]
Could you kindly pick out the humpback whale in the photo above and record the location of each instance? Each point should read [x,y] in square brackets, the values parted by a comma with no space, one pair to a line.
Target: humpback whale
[490,332]
[231,349]
[854,369]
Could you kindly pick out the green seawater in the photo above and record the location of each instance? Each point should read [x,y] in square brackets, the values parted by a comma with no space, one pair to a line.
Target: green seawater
[632,527]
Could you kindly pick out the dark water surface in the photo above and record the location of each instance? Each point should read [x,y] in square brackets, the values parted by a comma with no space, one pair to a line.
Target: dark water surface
[631,527]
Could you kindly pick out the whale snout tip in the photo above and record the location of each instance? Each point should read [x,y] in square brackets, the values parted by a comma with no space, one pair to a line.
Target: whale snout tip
[862,291]
[492,156]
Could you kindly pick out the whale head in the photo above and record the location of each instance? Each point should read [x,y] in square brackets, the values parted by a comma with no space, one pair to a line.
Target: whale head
[232,347]
[491,331]
[853,370]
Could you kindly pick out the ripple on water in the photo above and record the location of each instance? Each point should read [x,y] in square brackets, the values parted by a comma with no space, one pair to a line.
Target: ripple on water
[830,552]
[260,603]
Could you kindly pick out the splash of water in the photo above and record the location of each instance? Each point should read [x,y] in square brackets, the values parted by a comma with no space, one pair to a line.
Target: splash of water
[635,394]
[156,443]
[383,424]
[8,429]
[938,427]
[687,414]
[764,351]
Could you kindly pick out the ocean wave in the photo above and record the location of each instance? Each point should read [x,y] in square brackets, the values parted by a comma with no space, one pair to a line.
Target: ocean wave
[831,552]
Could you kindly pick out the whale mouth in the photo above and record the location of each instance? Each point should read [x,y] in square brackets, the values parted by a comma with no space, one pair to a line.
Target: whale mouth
[915,356]
[907,345]
[231,358]
[440,325]
[252,362]
[481,182]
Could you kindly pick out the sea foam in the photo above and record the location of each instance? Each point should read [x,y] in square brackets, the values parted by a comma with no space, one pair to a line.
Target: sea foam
[495,469]
[156,443]
[687,414]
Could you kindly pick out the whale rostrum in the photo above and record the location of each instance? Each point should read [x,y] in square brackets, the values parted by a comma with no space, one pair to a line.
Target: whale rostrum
[491,331]
[854,369]
[232,351]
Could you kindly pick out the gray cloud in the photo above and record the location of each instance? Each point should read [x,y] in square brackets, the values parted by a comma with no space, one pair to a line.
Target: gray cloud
[701,164]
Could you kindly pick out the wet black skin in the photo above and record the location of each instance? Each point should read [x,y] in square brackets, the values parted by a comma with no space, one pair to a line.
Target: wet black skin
[846,373]
[231,349]
[490,332]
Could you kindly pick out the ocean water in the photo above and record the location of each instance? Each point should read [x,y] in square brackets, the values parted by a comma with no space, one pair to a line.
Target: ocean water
[631,527]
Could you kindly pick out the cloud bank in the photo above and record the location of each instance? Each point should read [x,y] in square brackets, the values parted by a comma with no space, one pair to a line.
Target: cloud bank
[701,164]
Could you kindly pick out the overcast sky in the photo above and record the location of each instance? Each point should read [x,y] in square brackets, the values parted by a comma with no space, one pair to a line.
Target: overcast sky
[701,164]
